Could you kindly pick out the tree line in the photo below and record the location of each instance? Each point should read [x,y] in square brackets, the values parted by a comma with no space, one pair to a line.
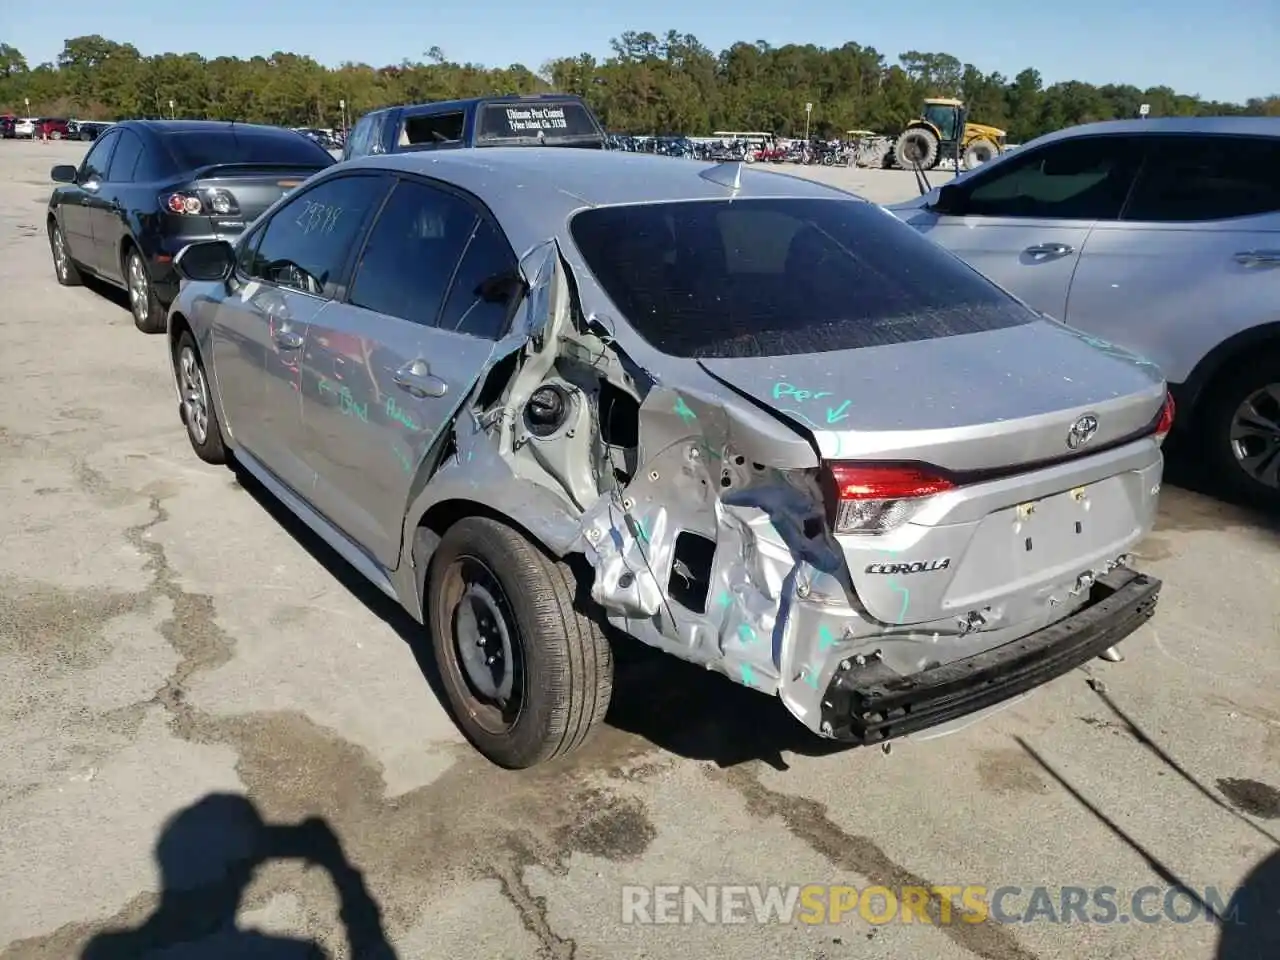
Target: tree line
[650,84]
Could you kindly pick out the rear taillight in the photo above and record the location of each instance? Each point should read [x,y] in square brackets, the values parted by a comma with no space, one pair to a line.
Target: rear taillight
[875,498]
[205,203]
[1165,423]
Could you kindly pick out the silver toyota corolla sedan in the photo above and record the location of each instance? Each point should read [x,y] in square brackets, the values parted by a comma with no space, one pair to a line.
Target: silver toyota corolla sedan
[750,420]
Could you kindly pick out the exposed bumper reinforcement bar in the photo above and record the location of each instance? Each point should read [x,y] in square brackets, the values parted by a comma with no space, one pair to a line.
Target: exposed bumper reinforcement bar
[868,704]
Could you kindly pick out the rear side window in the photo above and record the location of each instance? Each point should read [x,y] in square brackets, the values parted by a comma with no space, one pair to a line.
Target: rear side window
[773,277]
[557,118]
[202,148]
[1189,179]
[412,253]
[477,305]
[1081,179]
[125,159]
[432,130]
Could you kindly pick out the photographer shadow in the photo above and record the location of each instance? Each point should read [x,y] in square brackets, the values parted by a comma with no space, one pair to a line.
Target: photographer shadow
[208,854]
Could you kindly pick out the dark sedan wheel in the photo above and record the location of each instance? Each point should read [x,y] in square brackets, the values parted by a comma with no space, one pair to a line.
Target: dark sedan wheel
[195,405]
[148,311]
[528,674]
[63,266]
[1242,431]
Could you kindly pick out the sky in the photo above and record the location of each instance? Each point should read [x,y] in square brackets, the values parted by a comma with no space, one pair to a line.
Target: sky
[1221,50]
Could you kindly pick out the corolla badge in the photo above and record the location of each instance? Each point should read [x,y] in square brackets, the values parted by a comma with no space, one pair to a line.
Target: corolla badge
[1082,431]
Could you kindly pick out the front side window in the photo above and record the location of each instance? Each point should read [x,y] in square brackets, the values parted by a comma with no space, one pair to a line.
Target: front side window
[775,277]
[358,142]
[412,252]
[307,241]
[1082,179]
[1195,178]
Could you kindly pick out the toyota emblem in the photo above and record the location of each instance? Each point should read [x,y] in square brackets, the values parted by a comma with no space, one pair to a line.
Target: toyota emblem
[1082,431]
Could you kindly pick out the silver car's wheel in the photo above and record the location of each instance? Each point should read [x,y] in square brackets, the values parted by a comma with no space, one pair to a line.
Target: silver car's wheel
[195,403]
[195,395]
[1255,435]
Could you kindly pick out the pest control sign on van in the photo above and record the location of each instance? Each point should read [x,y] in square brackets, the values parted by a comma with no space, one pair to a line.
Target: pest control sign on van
[546,118]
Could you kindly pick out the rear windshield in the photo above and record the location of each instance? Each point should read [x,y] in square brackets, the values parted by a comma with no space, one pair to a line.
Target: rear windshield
[773,277]
[200,148]
[554,118]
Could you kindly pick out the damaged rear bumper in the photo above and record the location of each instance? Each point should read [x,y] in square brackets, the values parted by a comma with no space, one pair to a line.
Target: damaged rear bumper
[869,704]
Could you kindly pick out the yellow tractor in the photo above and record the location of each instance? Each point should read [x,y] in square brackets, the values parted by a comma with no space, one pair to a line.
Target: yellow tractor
[933,136]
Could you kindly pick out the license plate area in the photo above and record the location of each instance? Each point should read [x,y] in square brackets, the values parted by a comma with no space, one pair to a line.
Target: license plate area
[1042,541]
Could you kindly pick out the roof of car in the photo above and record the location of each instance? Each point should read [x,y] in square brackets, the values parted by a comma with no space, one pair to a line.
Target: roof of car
[1238,126]
[533,190]
[196,126]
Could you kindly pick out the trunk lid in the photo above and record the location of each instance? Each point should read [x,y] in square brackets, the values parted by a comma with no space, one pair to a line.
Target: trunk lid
[992,412]
[252,188]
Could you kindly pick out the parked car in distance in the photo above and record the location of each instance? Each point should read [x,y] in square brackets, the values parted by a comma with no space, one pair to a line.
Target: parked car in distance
[88,129]
[147,188]
[763,425]
[25,128]
[8,123]
[553,120]
[52,128]
[1161,235]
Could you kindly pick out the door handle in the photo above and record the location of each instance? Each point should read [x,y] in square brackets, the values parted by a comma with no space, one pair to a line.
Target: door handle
[416,378]
[1259,258]
[286,338]
[1042,251]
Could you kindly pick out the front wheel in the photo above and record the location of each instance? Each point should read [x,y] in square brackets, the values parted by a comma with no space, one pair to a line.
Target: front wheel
[527,672]
[196,403]
[1241,431]
[63,266]
[55,135]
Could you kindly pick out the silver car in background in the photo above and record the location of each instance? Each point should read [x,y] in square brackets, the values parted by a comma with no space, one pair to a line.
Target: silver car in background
[1161,235]
[750,420]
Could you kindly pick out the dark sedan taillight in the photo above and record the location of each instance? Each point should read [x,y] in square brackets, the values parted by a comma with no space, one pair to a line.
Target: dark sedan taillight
[205,203]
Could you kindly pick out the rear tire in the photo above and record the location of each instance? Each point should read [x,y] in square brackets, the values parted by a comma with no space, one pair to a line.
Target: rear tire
[1240,431]
[148,312]
[196,407]
[978,153]
[527,672]
[916,146]
[64,268]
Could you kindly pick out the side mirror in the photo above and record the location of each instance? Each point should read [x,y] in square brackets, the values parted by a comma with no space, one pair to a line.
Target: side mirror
[207,260]
[63,173]
[950,200]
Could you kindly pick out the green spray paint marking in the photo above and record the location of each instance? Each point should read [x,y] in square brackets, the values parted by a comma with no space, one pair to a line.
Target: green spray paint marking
[782,389]
[404,460]
[811,677]
[838,413]
[683,411]
[906,599]
[748,675]
[400,416]
[746,634]
[725,598]
[347,403]
[825,637]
